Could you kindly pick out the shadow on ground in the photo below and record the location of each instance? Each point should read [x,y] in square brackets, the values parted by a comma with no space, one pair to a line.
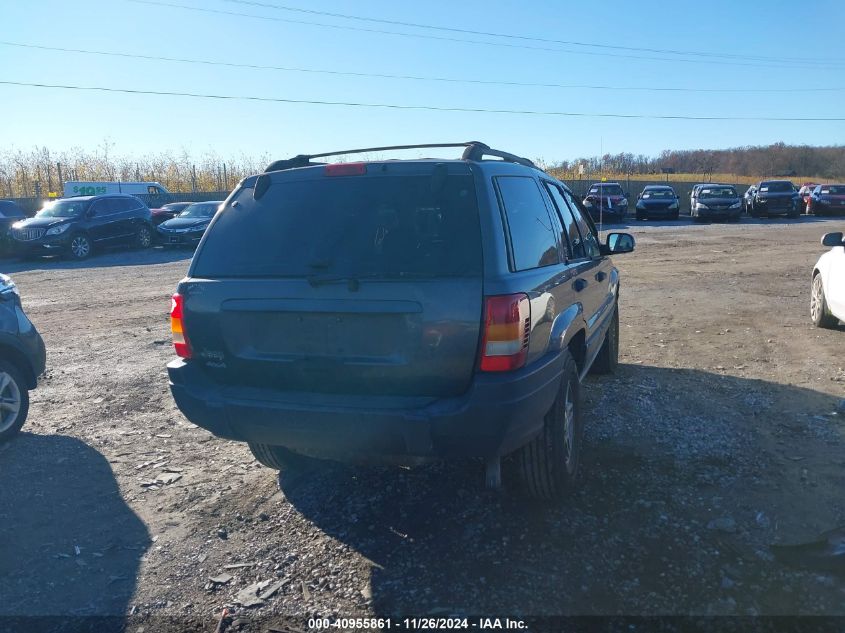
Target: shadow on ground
[634,540]
[70,547]
[105,259]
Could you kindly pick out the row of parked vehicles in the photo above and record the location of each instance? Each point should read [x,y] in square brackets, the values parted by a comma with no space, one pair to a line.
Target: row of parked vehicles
[607,201]
[76,226]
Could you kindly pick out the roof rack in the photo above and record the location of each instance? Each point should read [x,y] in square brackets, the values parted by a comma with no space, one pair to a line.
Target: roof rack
[473,150]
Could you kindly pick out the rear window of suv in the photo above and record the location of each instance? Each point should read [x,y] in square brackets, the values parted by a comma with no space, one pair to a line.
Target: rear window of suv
[380,227]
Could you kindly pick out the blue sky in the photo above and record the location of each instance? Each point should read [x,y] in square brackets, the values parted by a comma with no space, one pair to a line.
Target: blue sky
[141,124]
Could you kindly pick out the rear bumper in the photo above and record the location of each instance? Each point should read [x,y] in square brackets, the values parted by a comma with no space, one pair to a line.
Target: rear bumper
[498,414]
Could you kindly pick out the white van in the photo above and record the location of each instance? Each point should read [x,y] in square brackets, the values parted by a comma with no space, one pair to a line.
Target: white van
[153,194]
[77,188]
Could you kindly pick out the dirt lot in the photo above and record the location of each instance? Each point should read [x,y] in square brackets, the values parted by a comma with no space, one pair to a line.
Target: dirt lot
[716,439]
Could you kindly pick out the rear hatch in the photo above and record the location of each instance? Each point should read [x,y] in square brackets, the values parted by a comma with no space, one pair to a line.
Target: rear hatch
[359,279]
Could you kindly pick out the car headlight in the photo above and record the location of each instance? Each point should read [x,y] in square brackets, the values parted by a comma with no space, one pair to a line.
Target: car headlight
[674,205]
[58,230]
[698,205]
[588,203]
[7,286]
[736,205]
[623,202]
[761,200]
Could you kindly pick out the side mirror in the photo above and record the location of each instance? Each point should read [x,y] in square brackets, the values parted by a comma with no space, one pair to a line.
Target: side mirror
[829,239]
[621,243]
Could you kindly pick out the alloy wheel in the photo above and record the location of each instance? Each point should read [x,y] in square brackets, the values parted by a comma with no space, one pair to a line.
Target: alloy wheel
[80,247]
[10,401]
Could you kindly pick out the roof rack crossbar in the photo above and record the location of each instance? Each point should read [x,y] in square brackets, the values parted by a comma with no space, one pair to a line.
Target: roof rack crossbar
[473,150]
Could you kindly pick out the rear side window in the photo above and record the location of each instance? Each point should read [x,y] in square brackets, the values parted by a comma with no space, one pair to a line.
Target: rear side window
[585,225]
[571,235]
[532,234]
[379,226]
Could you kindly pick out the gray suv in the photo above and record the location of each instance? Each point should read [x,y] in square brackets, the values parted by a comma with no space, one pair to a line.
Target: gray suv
[400,310]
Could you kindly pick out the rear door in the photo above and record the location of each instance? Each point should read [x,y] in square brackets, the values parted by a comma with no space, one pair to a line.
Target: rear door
[595,278]
[350,280]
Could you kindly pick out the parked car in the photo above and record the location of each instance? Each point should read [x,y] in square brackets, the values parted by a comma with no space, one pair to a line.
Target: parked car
[187,228]
[77,226]
[22,360]
[748,198]
[657,201]
[168,211]
[827,290]
[385,310]
[606,201]
[827,200]
[693,196]
[10,212]
[717,202]
[775,197]
[804,191]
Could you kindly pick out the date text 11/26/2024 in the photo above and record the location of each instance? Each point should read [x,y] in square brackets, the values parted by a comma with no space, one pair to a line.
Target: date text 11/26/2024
[416,624]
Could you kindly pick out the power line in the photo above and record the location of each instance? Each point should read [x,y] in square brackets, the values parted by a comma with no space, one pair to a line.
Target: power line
[520,84]
[418,25]
[466,41]
[395,106]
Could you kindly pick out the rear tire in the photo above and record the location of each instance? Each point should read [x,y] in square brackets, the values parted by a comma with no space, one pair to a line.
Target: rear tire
[276,457]
[607,359]
[550,462]
[640,217]
[819,310]
[676,215]
[14,401]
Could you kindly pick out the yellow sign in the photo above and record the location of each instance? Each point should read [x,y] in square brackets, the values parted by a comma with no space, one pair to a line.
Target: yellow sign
[52,194]
[604,178]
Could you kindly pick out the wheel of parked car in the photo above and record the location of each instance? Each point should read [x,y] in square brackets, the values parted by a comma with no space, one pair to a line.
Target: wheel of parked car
[14,401]
[80,246]
[819,310]
[277,457]
[675,215]
[608,356]
[549,463]
[145,237]
[640,217]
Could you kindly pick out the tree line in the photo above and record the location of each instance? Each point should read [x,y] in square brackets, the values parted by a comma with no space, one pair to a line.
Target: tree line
[778,159]
[39,171]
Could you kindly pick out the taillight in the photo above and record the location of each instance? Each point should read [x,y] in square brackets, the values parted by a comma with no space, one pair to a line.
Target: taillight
[507,326]
[345,169]
[180,339]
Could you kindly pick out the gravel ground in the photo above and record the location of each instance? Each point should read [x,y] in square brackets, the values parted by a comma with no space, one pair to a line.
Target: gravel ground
[717,438]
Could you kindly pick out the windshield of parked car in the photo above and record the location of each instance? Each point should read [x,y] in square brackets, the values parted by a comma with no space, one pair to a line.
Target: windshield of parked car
[200,210]
[177,206]
[718,192]
[834,190]
[386,226]
[606,190]
[658,193]
[63,209]
[777,187]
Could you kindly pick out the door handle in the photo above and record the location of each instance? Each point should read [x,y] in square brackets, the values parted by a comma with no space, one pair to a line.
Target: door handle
[579,284]
[601,276]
